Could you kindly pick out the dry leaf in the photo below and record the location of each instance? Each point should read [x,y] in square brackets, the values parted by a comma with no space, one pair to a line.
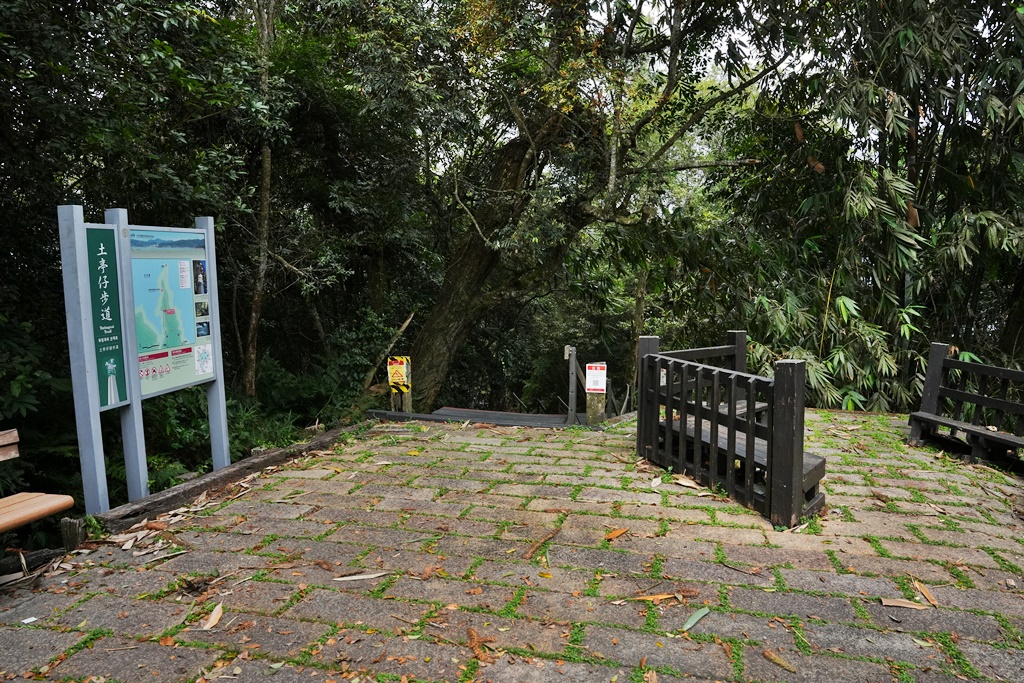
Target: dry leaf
[615,533]
[215,616]
[655,598]
[474,591]
[656,482]
[360,577]
[167,641]
[900,602]
[926,593]
[650,676]
[685,482]
[775,659]
[815,164]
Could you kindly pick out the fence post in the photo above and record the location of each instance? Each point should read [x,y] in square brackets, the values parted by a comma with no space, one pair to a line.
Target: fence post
[930,392]
[570,355]
[787,455]
[646,381]
[738,338]
[933,378]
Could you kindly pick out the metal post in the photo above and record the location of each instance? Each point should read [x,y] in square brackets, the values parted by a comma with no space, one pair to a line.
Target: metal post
[215,396]
[78,308]
[132,432]
[570,355]
[787,453]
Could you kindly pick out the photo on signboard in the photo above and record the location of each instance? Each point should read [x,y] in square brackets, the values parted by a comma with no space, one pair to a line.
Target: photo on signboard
[202,309]
[199,283]
[203,329]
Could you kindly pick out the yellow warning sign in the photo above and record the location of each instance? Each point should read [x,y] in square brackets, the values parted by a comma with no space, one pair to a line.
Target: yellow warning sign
[399,373]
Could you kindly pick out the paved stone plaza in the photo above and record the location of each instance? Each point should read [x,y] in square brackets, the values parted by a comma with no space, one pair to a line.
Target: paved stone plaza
[429,552]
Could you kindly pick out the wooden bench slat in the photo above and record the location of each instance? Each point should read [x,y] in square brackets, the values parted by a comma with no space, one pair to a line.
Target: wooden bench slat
[814,464]
[982,369]
[8,436]
[968,428]
[982,400]
[28,507]
[8,452]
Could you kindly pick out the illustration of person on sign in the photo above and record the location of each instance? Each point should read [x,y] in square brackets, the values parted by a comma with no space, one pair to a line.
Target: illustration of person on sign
[199,277]
[110,365]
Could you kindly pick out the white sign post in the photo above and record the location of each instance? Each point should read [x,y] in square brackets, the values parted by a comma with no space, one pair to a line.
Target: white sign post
[597,387]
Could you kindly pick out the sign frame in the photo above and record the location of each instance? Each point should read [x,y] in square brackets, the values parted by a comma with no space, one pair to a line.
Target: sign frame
[82,347]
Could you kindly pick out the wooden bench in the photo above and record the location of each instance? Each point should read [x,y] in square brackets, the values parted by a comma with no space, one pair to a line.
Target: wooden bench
[985,403]
[759,460]
[23,508]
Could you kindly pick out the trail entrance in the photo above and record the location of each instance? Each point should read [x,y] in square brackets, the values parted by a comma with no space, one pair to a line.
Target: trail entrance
[572,416]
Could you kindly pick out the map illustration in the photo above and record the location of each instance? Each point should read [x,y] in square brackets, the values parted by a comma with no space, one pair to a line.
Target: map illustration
[164,311]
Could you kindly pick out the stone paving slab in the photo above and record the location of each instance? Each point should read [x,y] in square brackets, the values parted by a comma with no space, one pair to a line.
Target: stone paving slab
[512,555]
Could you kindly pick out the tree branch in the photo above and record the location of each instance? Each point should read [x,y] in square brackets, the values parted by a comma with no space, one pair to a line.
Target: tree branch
[688,165]
[697,115]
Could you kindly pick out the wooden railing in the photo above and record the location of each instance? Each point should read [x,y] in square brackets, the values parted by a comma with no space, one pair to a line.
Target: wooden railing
[702,415]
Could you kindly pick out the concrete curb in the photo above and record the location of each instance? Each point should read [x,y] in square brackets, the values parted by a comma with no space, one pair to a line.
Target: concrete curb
[124,516]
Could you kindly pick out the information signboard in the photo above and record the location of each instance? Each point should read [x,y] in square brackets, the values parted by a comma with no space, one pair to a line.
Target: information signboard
[597,378]
[107,336]
[170,285]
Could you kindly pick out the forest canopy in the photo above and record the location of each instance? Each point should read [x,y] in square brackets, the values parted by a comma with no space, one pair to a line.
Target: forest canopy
[841,180]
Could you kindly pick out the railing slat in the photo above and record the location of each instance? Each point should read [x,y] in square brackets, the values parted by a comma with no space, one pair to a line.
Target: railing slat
[714,402]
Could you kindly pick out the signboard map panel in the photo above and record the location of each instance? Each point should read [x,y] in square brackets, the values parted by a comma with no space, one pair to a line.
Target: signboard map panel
[108,340]
[172,309]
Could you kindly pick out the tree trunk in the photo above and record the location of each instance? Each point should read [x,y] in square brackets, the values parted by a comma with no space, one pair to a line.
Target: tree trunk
[457,308]
[263,12]
[461,298]
[1012,340]
[638,323]
[256,305]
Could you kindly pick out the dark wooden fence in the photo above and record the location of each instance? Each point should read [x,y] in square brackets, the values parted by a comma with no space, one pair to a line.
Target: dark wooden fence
[985,403]
[701,414]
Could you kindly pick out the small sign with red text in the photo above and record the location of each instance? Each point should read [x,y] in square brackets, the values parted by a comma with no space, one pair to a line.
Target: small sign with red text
[597,378]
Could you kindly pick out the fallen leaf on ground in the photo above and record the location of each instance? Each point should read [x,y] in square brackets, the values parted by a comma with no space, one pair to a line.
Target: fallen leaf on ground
[650,676]
[926,593]
[360,577]
[900,602]
[656,482]
[167,641]
[685,482]
[775,659]
[215,616]
[615,533]
[695,617]
[655,598]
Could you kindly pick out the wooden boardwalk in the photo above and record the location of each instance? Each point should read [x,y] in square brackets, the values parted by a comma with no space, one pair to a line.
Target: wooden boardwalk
[494,417]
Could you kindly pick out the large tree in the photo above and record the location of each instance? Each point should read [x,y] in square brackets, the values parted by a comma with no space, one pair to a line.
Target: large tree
[570,96]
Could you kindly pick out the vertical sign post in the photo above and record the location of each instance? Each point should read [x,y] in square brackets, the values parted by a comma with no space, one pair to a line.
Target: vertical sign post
[215,398]
[132,433]
[91,262]
[597,383]
[400,381]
